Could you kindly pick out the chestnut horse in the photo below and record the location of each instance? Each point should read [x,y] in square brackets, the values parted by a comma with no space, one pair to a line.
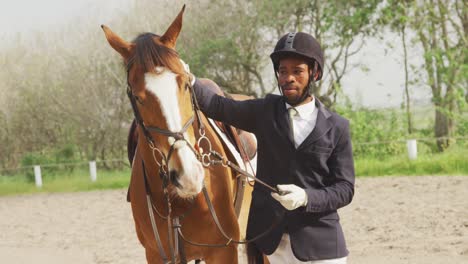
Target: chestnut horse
[167,175]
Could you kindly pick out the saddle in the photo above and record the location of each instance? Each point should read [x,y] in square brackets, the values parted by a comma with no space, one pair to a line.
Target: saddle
[244,142]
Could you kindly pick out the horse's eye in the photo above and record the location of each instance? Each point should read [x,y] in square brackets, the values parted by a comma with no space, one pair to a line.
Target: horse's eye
[138,99]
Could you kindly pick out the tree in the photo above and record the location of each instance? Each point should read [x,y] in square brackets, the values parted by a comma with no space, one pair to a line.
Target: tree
[441,28]
[395,14]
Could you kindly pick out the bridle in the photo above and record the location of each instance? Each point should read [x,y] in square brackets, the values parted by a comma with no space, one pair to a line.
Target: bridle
[178,139]
[208,158]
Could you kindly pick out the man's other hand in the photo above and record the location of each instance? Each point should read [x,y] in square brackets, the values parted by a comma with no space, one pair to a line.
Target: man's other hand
[187,70]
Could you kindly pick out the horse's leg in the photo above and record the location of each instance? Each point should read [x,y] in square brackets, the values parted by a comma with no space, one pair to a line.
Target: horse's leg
[226,255]
[152,253]
[139,233]
[152,256]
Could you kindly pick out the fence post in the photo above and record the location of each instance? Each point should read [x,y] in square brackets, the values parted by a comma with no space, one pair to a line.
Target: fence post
[37,176]
[92,170]
[411,144]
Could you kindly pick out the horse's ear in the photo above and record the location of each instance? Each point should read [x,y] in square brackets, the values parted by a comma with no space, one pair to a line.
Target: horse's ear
[170,37]
[117,43]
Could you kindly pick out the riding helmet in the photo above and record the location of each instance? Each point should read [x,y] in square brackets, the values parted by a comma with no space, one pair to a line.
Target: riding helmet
[298,43]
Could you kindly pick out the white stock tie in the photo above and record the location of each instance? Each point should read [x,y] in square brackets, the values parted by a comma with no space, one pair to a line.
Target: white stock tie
[292,112]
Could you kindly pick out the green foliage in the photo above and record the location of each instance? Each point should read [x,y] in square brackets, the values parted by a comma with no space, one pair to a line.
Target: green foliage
[35,158]
[462,125]
[212,54]
[369,127]
[66,153]
[51,162]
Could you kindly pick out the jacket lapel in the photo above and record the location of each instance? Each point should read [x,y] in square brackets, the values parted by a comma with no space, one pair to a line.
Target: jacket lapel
[283,121]
[322,125]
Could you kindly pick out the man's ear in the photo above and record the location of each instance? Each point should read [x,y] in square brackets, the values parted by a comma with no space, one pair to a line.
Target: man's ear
[314,71]
[311,73]
[316,75]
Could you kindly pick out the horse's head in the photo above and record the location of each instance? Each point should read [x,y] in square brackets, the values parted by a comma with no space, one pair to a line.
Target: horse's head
[158,84]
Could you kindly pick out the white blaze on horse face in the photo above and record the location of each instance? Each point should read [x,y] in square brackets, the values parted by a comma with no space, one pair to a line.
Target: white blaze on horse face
[164,86]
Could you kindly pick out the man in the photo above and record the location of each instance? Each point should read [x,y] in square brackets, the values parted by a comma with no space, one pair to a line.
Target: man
[303,149]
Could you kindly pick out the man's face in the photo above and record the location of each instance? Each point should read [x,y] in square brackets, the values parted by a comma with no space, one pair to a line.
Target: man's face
[293,77]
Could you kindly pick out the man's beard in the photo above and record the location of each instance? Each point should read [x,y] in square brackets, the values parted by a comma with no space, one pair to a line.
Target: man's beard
[298,99]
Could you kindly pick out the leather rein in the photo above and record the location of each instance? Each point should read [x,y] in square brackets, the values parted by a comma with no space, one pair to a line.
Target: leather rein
[211,157]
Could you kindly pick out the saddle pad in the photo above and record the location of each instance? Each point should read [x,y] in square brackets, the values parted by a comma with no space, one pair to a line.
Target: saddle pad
[234,152]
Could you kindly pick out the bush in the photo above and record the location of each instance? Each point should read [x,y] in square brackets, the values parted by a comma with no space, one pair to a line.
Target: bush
[34,158]
[58,158]
[370,126]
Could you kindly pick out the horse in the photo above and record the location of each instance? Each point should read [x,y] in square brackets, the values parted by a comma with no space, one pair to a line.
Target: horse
[170,173]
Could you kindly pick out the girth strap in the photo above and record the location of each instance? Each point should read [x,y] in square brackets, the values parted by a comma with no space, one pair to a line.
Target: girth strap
[240,181]
[238,199]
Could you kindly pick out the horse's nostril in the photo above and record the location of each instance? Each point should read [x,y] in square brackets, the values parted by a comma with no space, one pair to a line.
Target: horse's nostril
[174,178]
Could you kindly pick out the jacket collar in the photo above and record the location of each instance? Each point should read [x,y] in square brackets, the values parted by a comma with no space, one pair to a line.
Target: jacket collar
[322,108]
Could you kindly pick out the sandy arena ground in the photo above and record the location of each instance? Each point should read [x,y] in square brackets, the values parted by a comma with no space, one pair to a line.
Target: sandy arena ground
[391,220]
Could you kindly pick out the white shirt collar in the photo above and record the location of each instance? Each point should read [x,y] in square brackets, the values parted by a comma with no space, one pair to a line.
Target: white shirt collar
[305,110]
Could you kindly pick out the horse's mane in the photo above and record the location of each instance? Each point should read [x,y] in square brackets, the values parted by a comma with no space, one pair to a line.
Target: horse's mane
[149,54]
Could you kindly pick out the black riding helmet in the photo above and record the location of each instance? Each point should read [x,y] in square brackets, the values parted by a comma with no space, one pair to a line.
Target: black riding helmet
[303,45]
[298,44]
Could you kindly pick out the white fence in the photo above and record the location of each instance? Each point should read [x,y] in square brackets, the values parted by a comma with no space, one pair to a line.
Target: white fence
[38,175]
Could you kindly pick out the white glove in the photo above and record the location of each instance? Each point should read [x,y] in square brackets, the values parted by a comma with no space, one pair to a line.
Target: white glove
[293,198]
[187,70]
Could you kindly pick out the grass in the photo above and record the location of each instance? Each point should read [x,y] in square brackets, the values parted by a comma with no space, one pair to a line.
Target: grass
[451,162]
[78,180]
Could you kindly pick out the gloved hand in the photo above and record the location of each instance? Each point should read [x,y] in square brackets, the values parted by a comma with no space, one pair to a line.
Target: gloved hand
[293,198]
[187,70]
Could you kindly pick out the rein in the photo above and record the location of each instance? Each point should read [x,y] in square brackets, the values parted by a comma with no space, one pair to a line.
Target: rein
[209,158]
